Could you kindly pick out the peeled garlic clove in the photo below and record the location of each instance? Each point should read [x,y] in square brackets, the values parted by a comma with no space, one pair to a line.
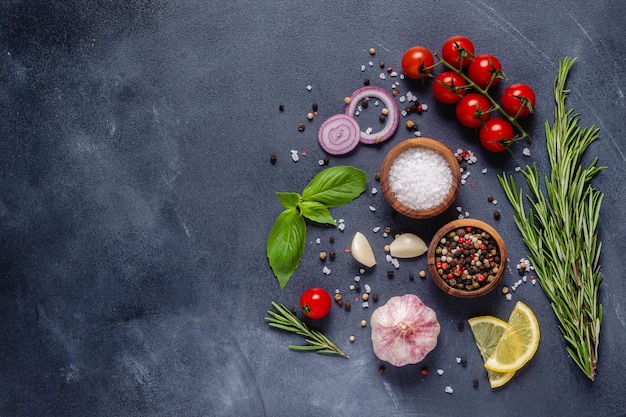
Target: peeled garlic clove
[362,251]
[407,245]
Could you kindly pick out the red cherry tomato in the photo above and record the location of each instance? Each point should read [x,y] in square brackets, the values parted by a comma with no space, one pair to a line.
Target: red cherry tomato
[448,87]
[416,62]
[315,303]
[518,100]
[458,51]
[470,110]
[483,68]
[494,132]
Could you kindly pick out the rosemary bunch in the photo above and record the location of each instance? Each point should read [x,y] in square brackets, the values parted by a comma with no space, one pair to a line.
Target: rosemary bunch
[560,228]
[284,319]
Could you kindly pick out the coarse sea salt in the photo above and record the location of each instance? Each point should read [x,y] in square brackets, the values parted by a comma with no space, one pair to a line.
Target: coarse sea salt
[420,178]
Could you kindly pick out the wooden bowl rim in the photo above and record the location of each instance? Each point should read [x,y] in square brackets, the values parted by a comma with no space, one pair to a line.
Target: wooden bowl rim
[463,223]
[427,143]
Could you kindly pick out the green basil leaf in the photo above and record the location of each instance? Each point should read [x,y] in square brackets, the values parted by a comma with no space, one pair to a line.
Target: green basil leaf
[317,212]
[336,186]
[289,200]
[285,244]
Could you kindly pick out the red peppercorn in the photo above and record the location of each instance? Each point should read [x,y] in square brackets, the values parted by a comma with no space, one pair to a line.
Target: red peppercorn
[420,109]
[480,277]
[468,229]
[424,371]
[450,276]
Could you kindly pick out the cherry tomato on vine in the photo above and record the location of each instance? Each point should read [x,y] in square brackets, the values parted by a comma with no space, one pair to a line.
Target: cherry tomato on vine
[315,303]
[495,131]
[448,87]
[518,100]
[458,51]
[416,62]
[483,68]
[473,110]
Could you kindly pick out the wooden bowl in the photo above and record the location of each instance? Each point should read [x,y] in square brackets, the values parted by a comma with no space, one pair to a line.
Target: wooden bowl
[442,282]
[426,143]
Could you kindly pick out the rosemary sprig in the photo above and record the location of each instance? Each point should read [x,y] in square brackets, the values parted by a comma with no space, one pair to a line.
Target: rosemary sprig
[560,228]
[284,319]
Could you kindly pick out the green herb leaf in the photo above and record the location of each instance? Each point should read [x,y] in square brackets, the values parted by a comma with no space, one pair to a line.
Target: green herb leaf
[285,244]
[317,212]
[336,186]
[289,200]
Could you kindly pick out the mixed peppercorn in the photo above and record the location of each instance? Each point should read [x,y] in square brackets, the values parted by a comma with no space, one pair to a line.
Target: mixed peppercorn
[467,258]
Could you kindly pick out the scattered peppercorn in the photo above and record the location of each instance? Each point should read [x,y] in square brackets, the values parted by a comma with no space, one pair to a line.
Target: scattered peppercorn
[309,116]
[381,64]
[347,100]
[463,361]
[419,109]
[505,290]
[411,277]
[281,107]
[372,51]
[424,371]
[390,273]
[331,254]
[365,297]
[314,106]
[490,198]
[496,214]
[381,369]
[366,81]
[461,326]
[377,176]
[352,338]
[322,255]
[332,239]
[475,383]
[389,70]
[395,91]
[422,274]
[301,127]
[326,160]
[338,297]
[273,159]
[365,102]
[363,323]
[347,305]
[375,298]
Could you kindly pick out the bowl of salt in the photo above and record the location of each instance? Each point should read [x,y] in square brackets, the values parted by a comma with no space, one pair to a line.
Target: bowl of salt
[420,178]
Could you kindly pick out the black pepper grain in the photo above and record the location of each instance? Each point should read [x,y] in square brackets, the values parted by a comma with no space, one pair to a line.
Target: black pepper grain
[332,239]
[365,102]
[496,214]
[377,176]
[273,159]
[326,160]
[390,273]
[301,127]
[281,107]
[314,106]
[332,254]
[411,276]
[366,81]
[375,298]
[475,383]
[347,305]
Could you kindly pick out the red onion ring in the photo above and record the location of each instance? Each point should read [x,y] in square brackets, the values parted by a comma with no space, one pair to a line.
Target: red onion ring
[339,134]
[392,117]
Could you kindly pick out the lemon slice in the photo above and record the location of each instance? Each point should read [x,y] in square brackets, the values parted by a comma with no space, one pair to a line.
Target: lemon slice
[518,342]
[487,331]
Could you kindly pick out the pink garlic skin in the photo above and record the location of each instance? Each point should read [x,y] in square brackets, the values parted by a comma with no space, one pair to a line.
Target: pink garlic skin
[404,330]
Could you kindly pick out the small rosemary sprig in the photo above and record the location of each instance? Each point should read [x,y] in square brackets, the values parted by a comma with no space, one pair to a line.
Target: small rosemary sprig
[284,319]
[560,229]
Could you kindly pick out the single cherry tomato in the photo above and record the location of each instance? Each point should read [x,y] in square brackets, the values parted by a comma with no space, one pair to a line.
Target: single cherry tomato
[494,132]
[448,87]
[483,68]
[518,100]
[473,110]
[416,62]
[458,51]
[315,303]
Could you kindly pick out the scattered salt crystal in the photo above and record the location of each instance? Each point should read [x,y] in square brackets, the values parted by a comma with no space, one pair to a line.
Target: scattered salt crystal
[440,371]
[409,96]
[382,76]
[376,103]
[371,64]
[449,389]
[309,88]
[376,229]
[337,291]
[533,281]
[351,287]
[524,278]
[341,221]
[458,360]
[294,156]
[362,67]
[467,214]
[368,130]
[341,226]
[385,234]
[388,258]
[463,181]
[402,99]
[418,133]
[374,190]
[357,278]
[484,171]
[395,263]
[394,74]
[495,201]
[320,162]
[368,289]
[459,209]
[420,178]
[403,112]
[372,208]
[356,113]
[326,270]
[365,304]
[518,169]
[461,216]
[526,152]
[362,270]
[509,296]
[318,240]
[402,76]
[424,106]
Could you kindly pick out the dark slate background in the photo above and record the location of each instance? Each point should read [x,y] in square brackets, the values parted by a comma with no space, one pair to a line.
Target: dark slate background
[136,196]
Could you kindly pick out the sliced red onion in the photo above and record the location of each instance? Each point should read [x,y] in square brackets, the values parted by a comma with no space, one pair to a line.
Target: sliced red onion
[392,117]
[339,134]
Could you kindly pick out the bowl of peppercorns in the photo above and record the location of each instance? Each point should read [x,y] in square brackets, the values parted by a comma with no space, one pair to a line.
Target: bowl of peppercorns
[467,258]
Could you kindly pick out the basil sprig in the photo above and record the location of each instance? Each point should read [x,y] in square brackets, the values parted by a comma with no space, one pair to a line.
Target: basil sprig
[332,187]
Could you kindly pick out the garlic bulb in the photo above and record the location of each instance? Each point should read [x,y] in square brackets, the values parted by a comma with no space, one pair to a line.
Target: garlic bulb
[404,330]
[362,250]
[407,245]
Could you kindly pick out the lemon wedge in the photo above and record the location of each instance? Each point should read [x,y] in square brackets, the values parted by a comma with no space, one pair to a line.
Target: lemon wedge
[487,331]
[518,343]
